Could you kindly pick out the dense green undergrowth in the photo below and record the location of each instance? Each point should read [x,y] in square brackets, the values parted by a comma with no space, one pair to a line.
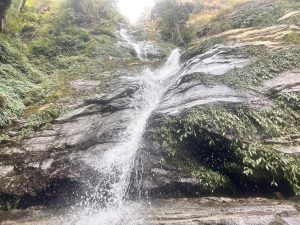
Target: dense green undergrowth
[226,147]
[43,49]
[231,142]
[17,77]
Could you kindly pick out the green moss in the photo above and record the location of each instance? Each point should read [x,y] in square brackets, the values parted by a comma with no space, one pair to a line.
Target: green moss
[107,31]
[293,38]
[264,68]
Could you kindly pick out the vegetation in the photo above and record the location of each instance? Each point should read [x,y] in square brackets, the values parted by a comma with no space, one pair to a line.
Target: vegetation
[231,141]
[4,6]
[181,21]
[293,38]
[171,17]
[46,45]
[251,14]
[266,66]
[211,181]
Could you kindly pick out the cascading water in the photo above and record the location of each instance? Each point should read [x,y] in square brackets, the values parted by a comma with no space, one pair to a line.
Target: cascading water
[139,51]
[118,162]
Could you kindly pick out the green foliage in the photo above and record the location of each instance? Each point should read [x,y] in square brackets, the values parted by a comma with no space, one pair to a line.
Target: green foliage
[63,42]
[211,181]
[43,117]
[293,38]
[45,47]
[265,67]
[252,14]
[263,162]
[171,17]
[229,140]
[79,12]
[17,77]
[4,138]
[104,31]
[241,122]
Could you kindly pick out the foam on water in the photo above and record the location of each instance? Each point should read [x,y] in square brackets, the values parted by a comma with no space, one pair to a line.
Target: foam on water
[139,51]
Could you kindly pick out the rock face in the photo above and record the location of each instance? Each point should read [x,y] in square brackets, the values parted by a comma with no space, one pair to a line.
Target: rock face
[223,211]
[64,159]
[210,210]
[285,82]
[143,49]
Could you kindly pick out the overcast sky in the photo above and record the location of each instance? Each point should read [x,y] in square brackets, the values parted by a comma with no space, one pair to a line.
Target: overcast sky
[134,8]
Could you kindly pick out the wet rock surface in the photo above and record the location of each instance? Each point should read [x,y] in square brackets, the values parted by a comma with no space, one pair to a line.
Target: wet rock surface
[224,211]
[60,161]
[185,91]
[209,210]
[285,82]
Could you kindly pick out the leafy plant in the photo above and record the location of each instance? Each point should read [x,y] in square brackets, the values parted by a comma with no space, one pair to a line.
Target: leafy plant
[230,141]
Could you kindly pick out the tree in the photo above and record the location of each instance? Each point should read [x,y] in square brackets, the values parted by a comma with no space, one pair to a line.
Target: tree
[4,6]
[171,17]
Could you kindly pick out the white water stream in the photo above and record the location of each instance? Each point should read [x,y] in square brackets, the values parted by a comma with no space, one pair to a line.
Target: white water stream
[138,49]
[119,160]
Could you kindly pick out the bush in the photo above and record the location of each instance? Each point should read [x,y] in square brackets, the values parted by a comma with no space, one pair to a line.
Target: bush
[230,141]
[211,182]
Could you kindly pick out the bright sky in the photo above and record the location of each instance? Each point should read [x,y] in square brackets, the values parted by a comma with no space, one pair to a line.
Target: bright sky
[134,8]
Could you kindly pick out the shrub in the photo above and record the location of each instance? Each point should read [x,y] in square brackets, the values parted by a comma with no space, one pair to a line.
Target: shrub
[230,141]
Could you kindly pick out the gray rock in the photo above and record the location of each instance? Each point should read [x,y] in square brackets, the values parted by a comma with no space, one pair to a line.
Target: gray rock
[64,159]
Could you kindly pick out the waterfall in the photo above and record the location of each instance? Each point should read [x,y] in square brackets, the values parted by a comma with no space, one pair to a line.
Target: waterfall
[139,51]
[119,160]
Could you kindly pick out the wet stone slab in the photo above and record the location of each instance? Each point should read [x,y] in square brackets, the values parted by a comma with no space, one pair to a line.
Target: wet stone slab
[206,210]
